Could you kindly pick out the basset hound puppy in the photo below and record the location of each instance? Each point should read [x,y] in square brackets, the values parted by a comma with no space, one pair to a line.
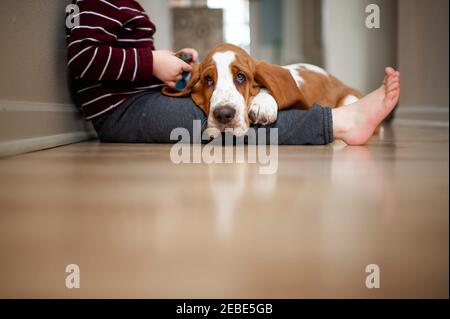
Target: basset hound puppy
[234,90]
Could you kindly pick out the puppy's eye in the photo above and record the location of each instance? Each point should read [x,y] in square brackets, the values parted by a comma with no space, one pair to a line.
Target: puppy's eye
[241,78]
[209,81]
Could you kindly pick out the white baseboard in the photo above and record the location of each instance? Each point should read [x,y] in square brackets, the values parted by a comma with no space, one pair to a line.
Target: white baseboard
[422,109]
[42,142]
[423,123]
[27,106]
[423,116]
[32,126]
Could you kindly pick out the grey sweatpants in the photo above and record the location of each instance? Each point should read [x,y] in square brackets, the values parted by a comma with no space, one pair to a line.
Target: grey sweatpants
[150,117]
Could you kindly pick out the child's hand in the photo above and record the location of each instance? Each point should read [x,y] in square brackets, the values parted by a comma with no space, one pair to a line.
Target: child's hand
[168,68]
[193,53]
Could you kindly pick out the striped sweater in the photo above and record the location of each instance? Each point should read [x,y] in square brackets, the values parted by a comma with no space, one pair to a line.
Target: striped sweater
[110,54]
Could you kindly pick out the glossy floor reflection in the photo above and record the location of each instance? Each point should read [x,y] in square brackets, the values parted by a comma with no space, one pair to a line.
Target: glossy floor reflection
[140,226]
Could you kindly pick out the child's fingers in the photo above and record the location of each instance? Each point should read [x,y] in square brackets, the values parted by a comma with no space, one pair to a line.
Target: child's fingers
[171,83]
[192,52]
[186,67]
[194,56]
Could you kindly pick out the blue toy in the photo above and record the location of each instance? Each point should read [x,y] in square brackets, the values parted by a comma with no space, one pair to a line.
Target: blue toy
[180,85]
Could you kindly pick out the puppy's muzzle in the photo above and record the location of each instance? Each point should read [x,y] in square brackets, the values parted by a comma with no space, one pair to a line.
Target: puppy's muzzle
[224,114]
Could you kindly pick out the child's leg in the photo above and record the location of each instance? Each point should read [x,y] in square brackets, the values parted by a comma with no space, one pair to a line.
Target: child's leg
[151,117]
[148,118]
[303,127]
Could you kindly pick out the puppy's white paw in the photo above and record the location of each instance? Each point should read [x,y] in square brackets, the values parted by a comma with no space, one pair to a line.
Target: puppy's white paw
[263,108]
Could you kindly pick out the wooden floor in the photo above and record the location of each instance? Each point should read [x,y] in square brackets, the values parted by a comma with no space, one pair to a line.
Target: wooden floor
[141,226]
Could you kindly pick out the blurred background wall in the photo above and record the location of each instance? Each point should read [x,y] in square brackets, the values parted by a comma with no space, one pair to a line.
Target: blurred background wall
[160,13]
[423,52]
[36,110]
[353,52]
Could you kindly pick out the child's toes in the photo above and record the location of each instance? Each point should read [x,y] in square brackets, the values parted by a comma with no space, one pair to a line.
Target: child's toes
[392,81]
[393,96]
[394,86]
[389,70]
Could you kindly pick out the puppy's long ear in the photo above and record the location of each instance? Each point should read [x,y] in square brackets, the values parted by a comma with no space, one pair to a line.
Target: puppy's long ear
[280,84]
[193,88]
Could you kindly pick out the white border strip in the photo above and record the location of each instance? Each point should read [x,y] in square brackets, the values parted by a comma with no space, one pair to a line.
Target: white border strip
[40,143]
[25,106]
[423,123]
[421,109]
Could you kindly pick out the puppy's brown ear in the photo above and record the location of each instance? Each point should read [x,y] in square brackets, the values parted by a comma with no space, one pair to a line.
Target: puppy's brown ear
[198,95]
[195,75]
[279,82]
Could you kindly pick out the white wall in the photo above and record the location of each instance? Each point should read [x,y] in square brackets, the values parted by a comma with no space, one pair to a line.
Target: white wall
[259,50]
[423,52]
[159,12]
[289,48]
[291,39]
[353,53]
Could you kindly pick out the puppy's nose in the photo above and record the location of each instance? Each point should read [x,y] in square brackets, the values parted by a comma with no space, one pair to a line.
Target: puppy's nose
[224,114]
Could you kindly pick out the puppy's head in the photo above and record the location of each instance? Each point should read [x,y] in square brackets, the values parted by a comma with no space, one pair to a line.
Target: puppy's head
[224,84]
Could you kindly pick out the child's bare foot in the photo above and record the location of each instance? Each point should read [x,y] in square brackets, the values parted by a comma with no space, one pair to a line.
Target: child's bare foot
[355,123]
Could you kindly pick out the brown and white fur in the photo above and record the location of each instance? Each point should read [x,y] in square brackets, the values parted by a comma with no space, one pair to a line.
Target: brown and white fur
[234,90]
